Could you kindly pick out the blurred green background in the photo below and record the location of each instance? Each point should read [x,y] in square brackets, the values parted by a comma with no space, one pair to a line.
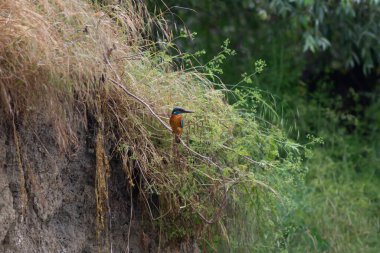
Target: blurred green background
[322,76]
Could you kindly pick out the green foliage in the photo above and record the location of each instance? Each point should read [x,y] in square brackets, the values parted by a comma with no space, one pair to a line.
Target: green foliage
[213,67]
[341,34]
[347,30]
[305,45]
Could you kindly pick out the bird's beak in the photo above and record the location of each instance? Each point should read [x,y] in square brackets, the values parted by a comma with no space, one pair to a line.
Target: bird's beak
[186,111]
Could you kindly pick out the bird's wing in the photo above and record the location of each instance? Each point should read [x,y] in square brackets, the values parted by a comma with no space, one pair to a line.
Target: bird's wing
[182,123]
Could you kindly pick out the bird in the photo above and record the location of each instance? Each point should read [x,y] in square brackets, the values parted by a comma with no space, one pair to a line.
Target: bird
[177,123]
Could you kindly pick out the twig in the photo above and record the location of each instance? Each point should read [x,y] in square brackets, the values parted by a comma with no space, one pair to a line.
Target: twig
[246,157]
[107,56]
[208,159]
[143,102]
[268,187]
[218,213]
[205,158]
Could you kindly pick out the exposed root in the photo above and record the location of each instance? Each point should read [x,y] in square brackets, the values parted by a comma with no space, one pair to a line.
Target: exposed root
[101,191]
[21,175]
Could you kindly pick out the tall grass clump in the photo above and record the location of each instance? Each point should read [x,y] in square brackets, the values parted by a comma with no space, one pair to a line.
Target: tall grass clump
[79,64]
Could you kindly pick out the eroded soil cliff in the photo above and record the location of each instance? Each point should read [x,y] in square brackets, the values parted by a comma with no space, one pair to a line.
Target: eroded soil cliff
[48,202]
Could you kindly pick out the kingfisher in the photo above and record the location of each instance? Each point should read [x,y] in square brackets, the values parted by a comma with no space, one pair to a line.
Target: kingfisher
[177,123]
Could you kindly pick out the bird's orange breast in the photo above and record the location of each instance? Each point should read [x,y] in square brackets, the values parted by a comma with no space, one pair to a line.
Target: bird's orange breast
[176,124]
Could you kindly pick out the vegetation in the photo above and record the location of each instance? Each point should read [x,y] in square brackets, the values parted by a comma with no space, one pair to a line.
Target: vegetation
[282,152]
[90,65]
[323,72]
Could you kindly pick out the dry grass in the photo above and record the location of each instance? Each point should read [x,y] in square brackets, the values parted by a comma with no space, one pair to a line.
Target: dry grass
[59,56]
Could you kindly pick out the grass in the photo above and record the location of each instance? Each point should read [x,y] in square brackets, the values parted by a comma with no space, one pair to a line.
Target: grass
[338,209]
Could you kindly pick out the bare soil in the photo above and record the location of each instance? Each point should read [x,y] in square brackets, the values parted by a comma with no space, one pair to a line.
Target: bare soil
[48,203]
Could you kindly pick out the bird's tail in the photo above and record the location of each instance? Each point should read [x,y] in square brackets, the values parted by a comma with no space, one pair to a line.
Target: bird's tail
[177,139]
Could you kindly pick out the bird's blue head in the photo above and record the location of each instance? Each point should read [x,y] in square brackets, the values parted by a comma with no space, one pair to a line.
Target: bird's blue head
[179,110]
